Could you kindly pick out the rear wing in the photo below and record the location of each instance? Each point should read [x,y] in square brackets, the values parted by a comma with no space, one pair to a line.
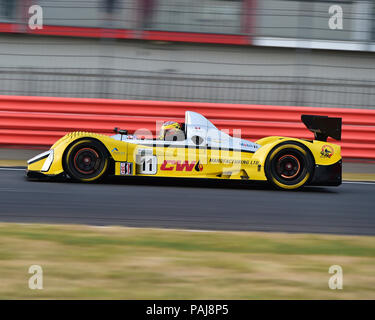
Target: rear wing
[323,126]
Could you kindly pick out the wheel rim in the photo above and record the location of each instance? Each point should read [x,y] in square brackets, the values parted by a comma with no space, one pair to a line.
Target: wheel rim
[86,161]
[288,167]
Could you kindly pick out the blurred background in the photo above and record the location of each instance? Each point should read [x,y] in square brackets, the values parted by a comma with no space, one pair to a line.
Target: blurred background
[268,52]
[232,51]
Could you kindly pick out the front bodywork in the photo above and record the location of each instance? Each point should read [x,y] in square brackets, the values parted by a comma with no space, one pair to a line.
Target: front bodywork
[205,152]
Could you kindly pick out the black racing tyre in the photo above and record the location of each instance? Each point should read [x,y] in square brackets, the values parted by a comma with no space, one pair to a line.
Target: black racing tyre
[86,160]
[289,166]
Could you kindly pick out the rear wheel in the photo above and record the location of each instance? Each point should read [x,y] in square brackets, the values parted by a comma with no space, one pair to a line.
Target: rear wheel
[289,166]
[86,160]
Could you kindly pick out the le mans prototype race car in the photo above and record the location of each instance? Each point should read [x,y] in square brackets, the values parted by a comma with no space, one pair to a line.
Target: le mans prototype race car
[199,150]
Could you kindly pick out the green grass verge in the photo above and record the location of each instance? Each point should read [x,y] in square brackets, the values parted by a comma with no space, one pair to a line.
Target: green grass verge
[129,263]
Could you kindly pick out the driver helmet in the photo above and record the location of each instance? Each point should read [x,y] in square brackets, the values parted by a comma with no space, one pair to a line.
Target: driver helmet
[169,129]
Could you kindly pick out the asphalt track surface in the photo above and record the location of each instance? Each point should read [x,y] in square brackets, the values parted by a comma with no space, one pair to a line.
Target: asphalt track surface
[181,204]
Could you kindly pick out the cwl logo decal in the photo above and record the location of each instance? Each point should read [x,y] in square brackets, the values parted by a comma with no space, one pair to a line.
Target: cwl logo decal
[169,165]
[198,167]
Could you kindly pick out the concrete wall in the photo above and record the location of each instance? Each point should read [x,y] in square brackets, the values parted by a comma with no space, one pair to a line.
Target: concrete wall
[304,19]
[214,16]
[55,66]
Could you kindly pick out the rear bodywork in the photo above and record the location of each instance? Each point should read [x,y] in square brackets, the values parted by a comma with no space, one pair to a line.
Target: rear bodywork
[206,152]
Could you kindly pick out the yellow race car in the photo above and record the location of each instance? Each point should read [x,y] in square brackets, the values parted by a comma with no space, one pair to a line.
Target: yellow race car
[197,149]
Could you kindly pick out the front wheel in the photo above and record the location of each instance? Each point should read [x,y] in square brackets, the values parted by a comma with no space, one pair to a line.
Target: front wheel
[86,160]
[289,166]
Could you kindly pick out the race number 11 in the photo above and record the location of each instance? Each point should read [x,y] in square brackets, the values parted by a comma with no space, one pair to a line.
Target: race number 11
[148,165]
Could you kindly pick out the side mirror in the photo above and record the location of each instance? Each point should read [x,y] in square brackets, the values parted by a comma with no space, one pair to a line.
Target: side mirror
[117,130]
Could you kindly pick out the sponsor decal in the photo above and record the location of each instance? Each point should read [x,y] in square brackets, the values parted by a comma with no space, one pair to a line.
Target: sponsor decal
[198,167]
[117,152]
[126,168]
[169,165]
[243,144]
[234,161]
[327,151]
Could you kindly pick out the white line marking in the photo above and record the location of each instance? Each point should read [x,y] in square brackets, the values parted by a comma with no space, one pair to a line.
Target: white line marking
[359,182]
[12,169]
